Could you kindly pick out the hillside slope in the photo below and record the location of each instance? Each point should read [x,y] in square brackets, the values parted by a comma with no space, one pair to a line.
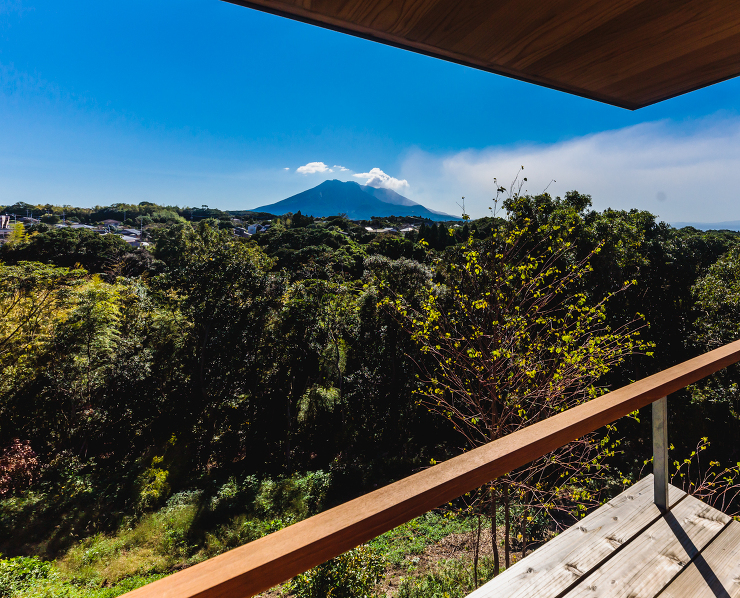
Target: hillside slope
[359,202]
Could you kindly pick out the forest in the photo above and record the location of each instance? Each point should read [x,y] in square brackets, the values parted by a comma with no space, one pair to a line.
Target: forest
[160,406]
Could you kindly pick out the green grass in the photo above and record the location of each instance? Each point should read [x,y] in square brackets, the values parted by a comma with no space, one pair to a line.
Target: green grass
[413,537]
[56,585]
[155,545]
[33,578]
[450,579]
[105,566]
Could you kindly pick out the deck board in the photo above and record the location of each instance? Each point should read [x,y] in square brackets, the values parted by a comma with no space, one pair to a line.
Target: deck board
[655,557]
[715,573]
[628,549]
[557,565]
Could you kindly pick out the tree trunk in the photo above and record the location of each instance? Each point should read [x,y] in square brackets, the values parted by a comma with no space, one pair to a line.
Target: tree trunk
[525,514]
[289,416]
[507,527]
[494,532]
[476,554]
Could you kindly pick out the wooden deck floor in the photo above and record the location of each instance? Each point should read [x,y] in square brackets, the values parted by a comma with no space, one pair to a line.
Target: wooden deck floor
[628,549]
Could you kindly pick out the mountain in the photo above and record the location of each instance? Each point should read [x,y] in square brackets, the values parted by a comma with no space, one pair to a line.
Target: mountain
[359,202]
[728,225]
[389,196]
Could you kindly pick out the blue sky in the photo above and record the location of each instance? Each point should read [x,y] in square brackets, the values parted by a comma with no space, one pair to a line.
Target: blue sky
[202,102]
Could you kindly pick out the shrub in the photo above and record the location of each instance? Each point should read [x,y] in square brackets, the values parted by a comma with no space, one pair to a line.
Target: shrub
[18,465]
[353,574]
[241,530]
[18,573]
[153,485]
[297,496]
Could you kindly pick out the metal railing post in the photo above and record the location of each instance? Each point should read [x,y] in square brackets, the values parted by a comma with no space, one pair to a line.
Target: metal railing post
[660,453]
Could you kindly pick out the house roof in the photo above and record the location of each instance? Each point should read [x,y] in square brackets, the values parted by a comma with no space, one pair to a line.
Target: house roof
[629,53]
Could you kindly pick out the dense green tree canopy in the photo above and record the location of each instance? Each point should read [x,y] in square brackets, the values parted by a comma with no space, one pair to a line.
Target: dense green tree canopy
[131,375]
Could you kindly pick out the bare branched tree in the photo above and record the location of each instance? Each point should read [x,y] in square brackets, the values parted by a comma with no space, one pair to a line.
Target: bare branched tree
[509,338]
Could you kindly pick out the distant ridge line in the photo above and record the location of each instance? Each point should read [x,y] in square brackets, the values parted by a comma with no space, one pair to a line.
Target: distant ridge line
[733,225]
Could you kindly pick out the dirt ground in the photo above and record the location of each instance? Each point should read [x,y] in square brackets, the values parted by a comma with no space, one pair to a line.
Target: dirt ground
[454,546]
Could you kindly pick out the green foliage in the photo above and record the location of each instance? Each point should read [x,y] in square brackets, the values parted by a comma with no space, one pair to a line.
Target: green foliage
[153,486]
[413,537]
[452,579]
[299,220]
[17,234]
[717,296]
[16,574]
[152,545]
[186,402]
[316,401]
[67,247]
[313,253]
[353,574]
[257,508]
[130,213]
[49,582]
[513,339]
[396,248]
[296,496]
[29,297]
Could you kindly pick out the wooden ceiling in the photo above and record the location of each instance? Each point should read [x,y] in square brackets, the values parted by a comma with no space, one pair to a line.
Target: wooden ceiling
[630,53]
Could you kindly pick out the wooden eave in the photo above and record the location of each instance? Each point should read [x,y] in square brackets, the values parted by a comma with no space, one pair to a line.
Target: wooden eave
[629,53]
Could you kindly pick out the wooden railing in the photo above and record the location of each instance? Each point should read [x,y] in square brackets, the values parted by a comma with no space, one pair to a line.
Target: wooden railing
[264,563]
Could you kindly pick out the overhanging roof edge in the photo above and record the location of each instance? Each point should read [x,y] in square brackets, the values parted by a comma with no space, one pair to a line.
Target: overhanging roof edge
[311,18]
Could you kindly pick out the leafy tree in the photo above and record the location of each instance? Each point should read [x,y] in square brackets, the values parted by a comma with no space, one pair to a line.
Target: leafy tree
[513,339]
[30,295]
[224,288]
[299,220]
[68,247]
[17,234]
[718,302]
[90,370]
[396,247]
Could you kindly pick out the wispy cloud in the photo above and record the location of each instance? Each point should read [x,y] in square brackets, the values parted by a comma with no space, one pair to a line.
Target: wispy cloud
[313,168]
[377,178]
[341,168]
[286,168]
[680,172]
[12,6]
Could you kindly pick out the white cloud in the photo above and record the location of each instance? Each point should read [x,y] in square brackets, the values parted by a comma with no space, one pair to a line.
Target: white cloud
[680,172]
[286,168]
[341,168]
[377,178]
[313,168]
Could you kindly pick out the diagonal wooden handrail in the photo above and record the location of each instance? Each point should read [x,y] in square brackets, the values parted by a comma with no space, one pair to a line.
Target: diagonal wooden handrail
[264,563]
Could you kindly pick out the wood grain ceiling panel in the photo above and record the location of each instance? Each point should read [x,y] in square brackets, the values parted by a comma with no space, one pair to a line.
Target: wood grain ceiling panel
[688,72]
[519,43]
[635,42]
[629,53]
